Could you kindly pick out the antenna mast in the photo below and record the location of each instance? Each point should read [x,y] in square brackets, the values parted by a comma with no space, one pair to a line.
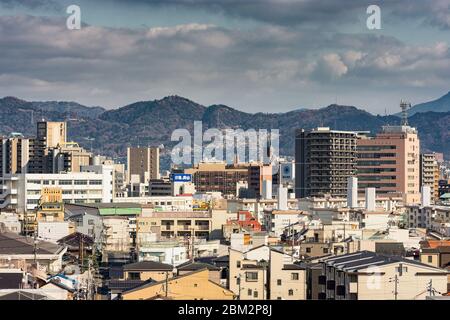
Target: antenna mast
[404,106]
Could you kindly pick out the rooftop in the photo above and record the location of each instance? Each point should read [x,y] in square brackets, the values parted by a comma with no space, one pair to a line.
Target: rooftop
[363,259]
[147,266]
[14,244]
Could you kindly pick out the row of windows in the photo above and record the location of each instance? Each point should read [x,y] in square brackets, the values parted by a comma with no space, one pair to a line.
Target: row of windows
[66,182]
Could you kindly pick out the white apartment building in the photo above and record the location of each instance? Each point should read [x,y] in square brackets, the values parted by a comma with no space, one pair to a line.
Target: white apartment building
[162,203]
[430,217]
[21,192]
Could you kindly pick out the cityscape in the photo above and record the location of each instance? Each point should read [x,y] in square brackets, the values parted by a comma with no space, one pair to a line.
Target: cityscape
[104,199]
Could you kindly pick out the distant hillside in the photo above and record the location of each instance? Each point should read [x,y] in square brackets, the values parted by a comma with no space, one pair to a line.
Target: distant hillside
[152,122]
[439,105]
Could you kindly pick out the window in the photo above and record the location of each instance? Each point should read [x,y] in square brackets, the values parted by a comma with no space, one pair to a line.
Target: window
[251,276]
[291,292]
[430,259]
[279,282]
[294,276]
[249,292]
[81,182]
[91,222]
[255,294]
[95,182]
[238,264]
[325,250]
[65,182]
[308,250]
[134,276]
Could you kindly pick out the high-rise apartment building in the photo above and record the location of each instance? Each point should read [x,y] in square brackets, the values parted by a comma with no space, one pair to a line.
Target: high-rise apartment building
[144,162]
[389,162]
[429,173]
[324,159]
[14,155]
[49,135]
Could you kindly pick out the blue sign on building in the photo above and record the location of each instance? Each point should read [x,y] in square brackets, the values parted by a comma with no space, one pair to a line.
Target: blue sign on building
[181,177]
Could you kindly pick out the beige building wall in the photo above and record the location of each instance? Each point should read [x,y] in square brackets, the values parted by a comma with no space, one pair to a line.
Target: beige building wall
[144,162]
[248,284]
[193,286]
[429,173]
[390,162]
[146,275]
[412,284]
[286,283]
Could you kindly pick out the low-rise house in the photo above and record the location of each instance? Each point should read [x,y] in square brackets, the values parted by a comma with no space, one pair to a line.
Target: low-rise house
[214,271]
[367,275]
[195,285]
[20,250]
[176,224]
[266,273]
[146,270]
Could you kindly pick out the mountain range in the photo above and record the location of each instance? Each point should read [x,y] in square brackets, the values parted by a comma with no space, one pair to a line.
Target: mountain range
[439,105]
[152,122]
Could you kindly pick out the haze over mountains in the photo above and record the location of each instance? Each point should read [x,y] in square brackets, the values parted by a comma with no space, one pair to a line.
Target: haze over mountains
[152,122]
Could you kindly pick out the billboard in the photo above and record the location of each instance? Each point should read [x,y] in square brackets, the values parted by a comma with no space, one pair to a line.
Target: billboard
[180,177]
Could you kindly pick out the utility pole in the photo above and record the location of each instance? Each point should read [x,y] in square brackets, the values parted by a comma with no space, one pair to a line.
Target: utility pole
[167,283]
[395,286]
[430,288]
[192,247]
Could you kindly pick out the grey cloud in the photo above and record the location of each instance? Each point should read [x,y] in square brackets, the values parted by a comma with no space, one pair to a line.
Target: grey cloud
[33,4]
[261,69]
[315,13]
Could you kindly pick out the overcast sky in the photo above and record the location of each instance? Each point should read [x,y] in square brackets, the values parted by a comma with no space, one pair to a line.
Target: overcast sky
[253,55]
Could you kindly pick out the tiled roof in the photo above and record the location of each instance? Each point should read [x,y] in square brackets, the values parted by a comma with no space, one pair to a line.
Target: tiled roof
[11,243]
[359,260]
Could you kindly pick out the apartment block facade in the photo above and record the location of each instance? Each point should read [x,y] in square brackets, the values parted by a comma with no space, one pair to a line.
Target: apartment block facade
[324,159]
[389,162]
[429,173]
[222,177]
[22,192]
[366,275]
[143,162]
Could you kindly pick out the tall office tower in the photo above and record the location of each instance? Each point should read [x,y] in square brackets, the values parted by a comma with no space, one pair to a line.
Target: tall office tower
[14,155]
[324,160]
[49,135]
[389,162]
[429,173]
[144,162]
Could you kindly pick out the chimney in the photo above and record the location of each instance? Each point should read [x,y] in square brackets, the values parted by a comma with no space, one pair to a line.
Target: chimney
[267,189]
[352,192]
[370,199]
[282,198]
[426,196]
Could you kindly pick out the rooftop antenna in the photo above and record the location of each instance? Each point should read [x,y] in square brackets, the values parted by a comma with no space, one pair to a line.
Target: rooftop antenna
[404,106]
